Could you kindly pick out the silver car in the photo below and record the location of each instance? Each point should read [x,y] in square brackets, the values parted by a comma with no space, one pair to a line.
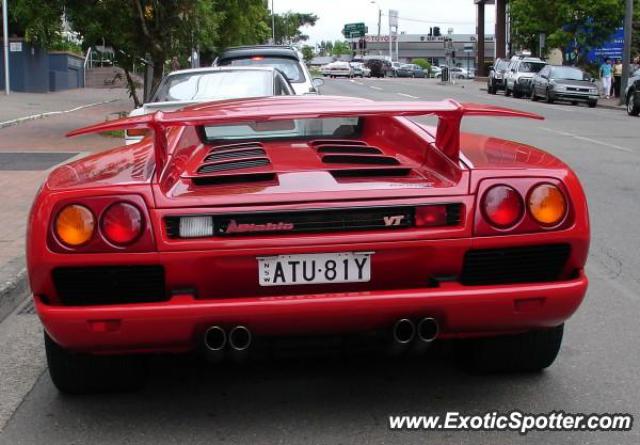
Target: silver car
[187,87]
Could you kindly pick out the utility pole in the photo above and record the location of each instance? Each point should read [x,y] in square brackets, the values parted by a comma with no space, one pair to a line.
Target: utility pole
[379,20]
[5,41]
[626,55]
[273,24]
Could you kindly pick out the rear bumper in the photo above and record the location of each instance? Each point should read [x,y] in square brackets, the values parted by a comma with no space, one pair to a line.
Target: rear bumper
[177,325]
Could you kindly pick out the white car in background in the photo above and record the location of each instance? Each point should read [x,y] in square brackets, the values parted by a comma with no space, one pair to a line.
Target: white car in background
[187,87]
[339,69]
[360,70]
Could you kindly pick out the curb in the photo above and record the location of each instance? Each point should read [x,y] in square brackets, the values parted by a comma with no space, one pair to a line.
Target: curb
[13,287]
[32,117]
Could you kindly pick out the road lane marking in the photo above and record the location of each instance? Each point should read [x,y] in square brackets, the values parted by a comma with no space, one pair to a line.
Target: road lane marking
[408,95]
[375,88]
[590,140]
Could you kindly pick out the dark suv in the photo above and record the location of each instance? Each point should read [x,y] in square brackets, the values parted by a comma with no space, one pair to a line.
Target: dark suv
[497,74]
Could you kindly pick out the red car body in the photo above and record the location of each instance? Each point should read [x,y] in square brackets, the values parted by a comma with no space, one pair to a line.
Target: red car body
[415,271]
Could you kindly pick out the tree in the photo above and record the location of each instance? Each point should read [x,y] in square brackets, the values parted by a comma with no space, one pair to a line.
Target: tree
[340,47]
[574,26]
[422,63]
[307,53]
[288,27]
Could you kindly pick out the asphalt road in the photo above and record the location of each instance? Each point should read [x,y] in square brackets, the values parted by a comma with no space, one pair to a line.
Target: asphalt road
[326,398]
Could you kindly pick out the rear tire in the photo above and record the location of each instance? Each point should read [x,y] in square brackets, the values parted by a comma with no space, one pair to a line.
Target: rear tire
[592,103]
[74,373]
[516,93]
[529,352]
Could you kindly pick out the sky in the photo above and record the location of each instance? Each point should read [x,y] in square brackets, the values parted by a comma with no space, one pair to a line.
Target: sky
[416,16]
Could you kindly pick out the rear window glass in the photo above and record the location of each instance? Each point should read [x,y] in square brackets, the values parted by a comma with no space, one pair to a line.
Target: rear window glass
[286,129]
[531,67]
[215,85]
[289,67]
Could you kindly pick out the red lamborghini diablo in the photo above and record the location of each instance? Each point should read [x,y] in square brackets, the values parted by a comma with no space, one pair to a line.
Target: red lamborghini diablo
[305,216]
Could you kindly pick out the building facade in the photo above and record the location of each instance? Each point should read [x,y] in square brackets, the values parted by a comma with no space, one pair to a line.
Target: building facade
[434,49]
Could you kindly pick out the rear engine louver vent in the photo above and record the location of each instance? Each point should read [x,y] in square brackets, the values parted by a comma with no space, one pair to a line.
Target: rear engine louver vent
[243,145]
[233,165]
[370,172]
[335,142]
[349,149]
[234,179]
[359,159]
[235,154]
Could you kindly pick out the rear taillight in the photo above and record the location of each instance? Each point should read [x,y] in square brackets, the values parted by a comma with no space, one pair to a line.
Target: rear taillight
[502,206]
[121,224]
[74,225]
[547,204]
[431,216]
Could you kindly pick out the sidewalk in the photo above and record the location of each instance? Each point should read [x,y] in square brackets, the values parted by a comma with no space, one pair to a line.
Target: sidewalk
[28,151]
[22,105]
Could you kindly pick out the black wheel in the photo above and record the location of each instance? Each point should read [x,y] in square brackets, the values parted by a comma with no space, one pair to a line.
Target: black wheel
[632,108]
[74,373]
[575,102]
[507,92]
[517,93]
[528,352]
[592,103]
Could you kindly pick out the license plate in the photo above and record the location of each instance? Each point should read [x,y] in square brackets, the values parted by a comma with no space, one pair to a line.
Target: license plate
[316,268]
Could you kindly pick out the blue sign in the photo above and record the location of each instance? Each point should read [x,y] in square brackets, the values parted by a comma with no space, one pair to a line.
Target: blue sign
[613,49]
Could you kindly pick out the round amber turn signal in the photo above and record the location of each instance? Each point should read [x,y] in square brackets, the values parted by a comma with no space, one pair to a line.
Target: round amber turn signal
[547,204]
[75,225]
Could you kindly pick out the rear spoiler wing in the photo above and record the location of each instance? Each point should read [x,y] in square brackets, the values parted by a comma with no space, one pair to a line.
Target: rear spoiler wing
[449,113]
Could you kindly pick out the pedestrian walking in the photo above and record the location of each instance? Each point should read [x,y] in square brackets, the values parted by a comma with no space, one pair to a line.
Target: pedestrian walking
[617,77]
[606,72]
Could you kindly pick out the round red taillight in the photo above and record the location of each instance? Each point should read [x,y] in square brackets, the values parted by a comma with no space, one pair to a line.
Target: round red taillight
[121,223]
[502,206]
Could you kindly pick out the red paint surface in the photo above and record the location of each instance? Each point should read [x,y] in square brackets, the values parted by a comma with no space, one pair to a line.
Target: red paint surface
[223,270]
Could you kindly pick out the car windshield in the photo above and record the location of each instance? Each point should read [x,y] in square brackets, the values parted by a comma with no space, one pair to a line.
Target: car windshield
[567,73]
[214,85]
[290,67]
[502,66]
[288,129]
[531,67]
[407,66]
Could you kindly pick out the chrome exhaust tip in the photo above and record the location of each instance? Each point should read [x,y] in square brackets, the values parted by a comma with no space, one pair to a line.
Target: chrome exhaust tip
[215,339]
[240,338]
[428,329]
[403,331]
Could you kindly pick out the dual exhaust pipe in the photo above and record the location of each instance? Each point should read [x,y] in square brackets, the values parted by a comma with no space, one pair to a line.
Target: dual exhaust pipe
[406,331]
[216,340]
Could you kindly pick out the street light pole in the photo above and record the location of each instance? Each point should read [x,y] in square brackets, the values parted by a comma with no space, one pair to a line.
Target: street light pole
[5,41]
[626,56]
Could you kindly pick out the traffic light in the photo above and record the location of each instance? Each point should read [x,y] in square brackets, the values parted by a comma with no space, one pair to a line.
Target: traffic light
[436,31]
